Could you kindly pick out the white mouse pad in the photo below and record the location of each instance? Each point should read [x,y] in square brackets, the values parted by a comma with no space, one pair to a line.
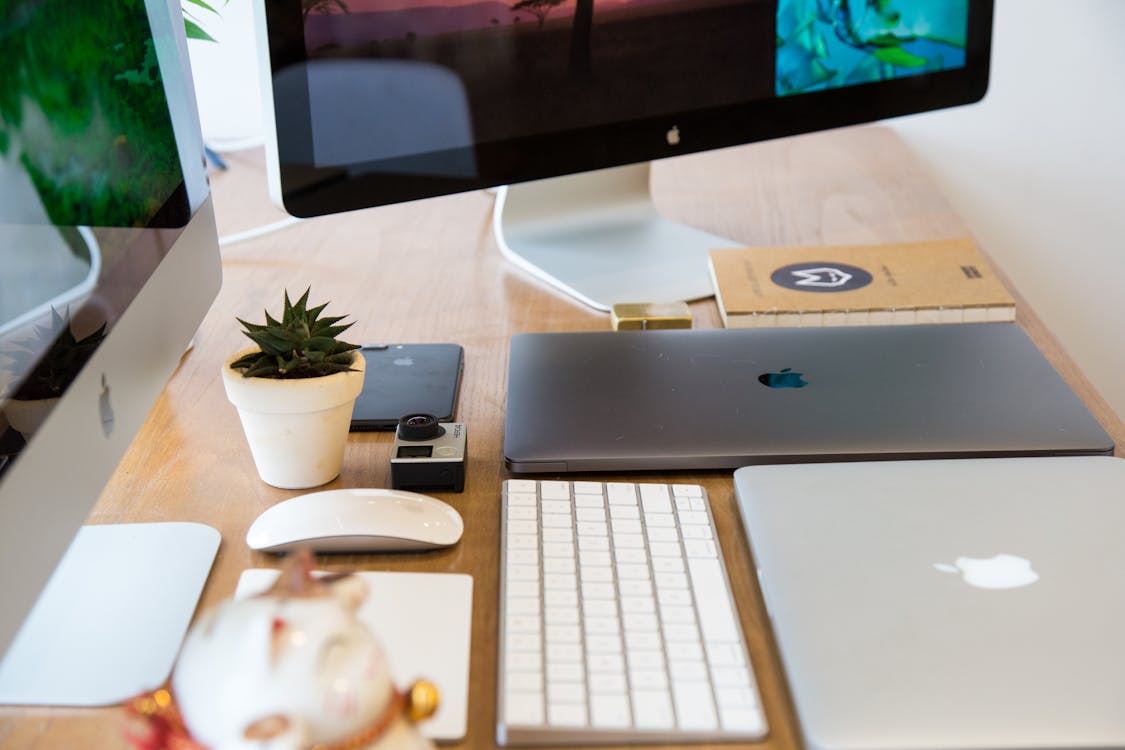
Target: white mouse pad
[424,621]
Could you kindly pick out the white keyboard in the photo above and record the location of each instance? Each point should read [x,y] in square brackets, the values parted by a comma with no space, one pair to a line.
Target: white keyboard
[617,623]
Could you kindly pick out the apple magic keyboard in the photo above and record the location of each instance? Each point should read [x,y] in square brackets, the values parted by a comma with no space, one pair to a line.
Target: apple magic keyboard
[617,623]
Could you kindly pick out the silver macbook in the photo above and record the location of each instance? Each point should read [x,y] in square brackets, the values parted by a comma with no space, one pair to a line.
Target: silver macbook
[698,399]
[962,604]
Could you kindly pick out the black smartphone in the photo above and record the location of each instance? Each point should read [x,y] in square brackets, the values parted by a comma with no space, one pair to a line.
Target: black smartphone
[406,379]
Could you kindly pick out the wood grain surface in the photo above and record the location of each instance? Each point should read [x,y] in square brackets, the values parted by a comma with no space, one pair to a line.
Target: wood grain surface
[429,271]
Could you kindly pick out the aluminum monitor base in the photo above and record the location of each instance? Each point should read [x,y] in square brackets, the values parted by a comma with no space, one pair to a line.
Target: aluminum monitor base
[598,237]
[110,622]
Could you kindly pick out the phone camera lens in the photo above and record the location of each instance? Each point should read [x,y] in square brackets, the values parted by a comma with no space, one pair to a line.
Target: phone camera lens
[419,427]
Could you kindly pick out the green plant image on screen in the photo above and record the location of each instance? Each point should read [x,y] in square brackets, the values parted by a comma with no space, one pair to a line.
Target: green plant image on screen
[62,99]
[831,43]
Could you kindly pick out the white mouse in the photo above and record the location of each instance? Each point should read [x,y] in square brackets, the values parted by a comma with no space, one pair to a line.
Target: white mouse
[356,520]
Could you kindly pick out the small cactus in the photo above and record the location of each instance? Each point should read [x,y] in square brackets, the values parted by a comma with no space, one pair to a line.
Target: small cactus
[301,345]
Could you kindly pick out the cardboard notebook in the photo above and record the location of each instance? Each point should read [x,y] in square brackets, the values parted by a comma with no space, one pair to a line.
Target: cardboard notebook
[945,281]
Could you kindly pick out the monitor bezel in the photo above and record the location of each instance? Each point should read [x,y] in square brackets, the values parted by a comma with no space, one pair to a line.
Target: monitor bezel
[308,191]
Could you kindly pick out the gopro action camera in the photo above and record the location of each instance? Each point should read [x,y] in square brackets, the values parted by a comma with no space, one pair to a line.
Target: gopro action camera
[428,455]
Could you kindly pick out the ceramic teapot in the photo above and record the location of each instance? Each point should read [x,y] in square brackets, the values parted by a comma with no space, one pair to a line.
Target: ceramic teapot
[290,669]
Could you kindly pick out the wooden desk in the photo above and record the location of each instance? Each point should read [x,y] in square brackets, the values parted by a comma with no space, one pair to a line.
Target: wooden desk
[430,271]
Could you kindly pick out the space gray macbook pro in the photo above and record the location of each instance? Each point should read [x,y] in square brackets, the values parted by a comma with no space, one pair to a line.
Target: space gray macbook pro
[957,604]
[706,399]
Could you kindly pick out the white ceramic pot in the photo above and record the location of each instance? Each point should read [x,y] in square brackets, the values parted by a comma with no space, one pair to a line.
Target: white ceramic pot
[296,428]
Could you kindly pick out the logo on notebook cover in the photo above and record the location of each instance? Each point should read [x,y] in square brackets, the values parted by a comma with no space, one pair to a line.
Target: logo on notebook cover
[996,572]
[821,277]
[784,379]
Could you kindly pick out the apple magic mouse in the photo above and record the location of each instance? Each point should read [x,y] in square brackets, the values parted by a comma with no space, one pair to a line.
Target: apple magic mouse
[356,520]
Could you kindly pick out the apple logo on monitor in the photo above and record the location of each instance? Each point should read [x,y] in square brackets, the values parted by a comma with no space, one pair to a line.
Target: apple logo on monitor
[997,572]
[105,408]
[673,136]
[785,378]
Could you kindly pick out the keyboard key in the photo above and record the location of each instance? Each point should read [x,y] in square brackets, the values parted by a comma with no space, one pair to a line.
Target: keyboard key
[567,714]
[558,549]
[611,711]
[651,679]
[523,527]
[607,682]
[663,534]
[655,499]
[523,557]
[523,681]
[625,513]
[737,697]
[700,548]
[599,608]
[523,708]
[694,708]
[554,490]
[588,488]
[652,709]
[522,498]
[716,613]
[694,518]
[564,634]
[562,671]
[560,598]
[621,494]
[522,513]
[559,565]
[627,541]
[522,486]
[566,692]
[522,606]
[523,541]
[742,719]
[523,623]
[523,661]
[696,532]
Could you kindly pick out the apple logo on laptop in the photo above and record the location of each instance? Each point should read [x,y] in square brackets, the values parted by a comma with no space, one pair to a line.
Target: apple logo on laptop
[997,572]
[784,379]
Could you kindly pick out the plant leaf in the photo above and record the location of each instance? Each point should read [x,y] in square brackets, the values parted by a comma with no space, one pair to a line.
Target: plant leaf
[195,31]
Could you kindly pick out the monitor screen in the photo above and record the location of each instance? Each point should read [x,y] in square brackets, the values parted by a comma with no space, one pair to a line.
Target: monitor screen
[377,101]
[108,258]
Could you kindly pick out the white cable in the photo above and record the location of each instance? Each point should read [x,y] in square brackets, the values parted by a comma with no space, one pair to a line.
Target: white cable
[250,234]
[226,145]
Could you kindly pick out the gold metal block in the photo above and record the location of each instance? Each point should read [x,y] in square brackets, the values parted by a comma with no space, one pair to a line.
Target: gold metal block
[641,316]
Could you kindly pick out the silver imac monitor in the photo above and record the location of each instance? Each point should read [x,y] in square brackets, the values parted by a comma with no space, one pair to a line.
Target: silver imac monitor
[108,262]
[566,102]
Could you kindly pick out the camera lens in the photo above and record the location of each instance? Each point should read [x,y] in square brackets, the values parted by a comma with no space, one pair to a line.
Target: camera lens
[419,427]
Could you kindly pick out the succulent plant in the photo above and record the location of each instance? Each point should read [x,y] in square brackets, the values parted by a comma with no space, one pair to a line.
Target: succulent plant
[301,345]
[52,358]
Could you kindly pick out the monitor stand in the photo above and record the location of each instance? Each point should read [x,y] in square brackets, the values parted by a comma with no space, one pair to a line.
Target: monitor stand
[109,623]
[598,237]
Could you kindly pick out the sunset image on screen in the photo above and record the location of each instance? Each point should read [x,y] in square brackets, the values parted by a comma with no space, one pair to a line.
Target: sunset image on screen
[536,66]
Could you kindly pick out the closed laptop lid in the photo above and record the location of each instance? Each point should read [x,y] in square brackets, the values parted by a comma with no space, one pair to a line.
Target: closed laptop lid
[689,399]
[946,604]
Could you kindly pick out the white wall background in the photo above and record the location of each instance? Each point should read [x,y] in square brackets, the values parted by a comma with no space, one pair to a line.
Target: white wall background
[1037,171]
